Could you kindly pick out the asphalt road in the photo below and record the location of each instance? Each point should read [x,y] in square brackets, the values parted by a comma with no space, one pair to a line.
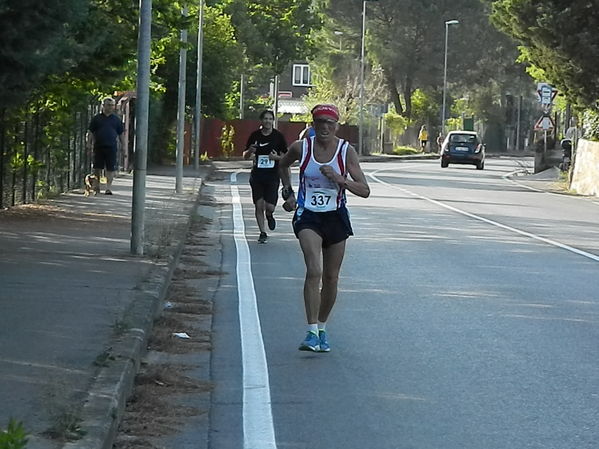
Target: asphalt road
[467,317]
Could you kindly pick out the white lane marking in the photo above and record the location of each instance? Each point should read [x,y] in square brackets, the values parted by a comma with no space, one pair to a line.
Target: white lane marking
[506,177]
[258,427]
[486,220]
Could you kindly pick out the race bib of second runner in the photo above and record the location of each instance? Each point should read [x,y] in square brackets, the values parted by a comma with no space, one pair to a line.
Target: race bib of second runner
[321,199]
[265,162]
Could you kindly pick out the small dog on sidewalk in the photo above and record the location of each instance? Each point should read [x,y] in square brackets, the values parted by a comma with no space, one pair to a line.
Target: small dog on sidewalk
[92,185]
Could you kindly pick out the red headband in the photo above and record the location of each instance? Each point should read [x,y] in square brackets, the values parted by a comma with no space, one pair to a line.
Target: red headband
[329,110]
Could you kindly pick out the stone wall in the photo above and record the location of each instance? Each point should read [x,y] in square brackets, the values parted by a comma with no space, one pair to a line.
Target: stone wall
[585,179]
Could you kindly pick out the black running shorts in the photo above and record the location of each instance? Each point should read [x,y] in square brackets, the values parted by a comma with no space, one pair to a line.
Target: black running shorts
[333,226]
[105,158]
[266,188]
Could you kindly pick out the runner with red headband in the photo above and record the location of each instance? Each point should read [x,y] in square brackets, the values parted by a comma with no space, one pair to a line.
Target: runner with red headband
[321,220]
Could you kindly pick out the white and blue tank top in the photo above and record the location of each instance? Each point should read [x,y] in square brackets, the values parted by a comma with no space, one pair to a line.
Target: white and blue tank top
[316,192]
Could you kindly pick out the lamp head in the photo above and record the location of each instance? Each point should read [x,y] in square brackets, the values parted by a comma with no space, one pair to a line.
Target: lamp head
[452,22]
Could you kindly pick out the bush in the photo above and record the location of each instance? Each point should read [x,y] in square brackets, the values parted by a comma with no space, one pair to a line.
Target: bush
[14,437]
[405,150]
[227,141]
[591,125]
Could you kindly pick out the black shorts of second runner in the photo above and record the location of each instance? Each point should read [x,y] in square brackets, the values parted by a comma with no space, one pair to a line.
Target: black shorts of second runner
[333,227]
[266,188]
[105,158]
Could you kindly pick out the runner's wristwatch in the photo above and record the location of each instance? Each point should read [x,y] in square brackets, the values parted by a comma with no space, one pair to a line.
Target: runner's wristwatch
[286,192]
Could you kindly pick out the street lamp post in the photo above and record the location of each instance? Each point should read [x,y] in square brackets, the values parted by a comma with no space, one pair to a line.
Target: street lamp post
[361,111]
[198,108]
[144,44]
[181,108]
[447,23]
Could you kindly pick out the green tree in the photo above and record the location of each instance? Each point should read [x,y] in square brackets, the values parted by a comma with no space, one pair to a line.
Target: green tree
[559,38]
[89,40]
[222,59]
[343,89]
[406,39]
[34,40]
[255,38]
[274,32]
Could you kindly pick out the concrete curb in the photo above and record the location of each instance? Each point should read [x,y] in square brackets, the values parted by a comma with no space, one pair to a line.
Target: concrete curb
[113,384]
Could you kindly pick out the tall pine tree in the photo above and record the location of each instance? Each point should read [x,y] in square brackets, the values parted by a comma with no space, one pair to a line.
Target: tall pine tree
[560,38]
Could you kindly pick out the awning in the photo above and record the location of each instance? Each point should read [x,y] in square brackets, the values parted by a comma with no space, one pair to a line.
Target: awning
[289,106]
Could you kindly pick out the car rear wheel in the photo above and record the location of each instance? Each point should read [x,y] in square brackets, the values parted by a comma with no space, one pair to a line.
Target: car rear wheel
[480,165]
[444,164]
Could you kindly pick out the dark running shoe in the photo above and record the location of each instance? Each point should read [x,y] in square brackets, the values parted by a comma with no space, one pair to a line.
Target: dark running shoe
[272,224]
[108,192]
[263,237]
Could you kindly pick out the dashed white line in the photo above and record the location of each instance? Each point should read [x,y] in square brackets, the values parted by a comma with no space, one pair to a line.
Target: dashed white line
[258,427]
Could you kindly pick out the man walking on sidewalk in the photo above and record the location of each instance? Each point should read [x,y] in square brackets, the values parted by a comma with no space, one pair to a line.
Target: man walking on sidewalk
[105,129]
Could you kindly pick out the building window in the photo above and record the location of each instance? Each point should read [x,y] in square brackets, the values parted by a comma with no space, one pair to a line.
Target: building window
[301,75]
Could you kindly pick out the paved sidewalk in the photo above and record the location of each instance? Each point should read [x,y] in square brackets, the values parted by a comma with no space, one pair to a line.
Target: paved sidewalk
[69,288]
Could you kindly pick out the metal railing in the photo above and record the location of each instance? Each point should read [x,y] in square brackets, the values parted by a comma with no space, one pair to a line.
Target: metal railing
[40,155]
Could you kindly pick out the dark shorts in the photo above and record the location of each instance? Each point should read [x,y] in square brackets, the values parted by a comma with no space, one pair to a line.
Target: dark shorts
[333,227]
[266,188]
[105,158]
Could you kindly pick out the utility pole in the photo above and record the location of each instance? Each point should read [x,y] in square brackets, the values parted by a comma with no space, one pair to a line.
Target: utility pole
[276,103]
[518,119]
[447,24]
[362,62]
[361,111]
[198,111]
[181,108]
[241,93]
[141,127]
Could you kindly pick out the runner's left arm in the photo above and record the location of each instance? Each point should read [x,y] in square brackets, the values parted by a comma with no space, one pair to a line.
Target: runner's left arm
[280,150]
[293,154]
[357,184]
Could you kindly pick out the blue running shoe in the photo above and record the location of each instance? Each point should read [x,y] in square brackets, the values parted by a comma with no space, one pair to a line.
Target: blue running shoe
[324,341]
[311,343]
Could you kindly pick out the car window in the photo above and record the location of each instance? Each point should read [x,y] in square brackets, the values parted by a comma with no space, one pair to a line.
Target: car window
[463,138]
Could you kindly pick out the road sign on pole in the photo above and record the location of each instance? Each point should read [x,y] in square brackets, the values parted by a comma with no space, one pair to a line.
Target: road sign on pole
[545,123]
[546,93]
